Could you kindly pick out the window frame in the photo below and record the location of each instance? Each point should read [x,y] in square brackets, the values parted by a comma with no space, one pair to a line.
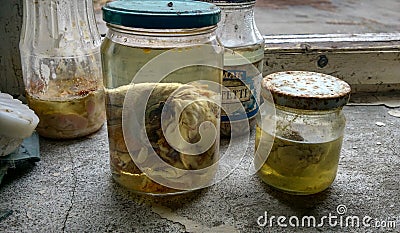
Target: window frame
[369,62]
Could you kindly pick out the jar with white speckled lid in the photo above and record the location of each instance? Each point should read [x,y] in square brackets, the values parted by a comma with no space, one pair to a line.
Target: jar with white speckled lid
[298,147]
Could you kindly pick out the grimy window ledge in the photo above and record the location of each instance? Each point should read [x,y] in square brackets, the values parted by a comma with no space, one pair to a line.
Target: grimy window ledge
[369,62]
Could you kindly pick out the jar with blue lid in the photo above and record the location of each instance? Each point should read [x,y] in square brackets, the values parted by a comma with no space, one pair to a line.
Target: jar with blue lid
[162,75]
[298,145]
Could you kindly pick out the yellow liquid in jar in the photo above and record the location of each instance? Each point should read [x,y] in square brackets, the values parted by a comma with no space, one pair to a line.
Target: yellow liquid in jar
[120,64]
[69,118]
[124,169]
[125,173]
[297,167]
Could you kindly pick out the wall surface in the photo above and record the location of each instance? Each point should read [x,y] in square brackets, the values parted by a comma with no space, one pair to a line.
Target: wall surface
[10,63]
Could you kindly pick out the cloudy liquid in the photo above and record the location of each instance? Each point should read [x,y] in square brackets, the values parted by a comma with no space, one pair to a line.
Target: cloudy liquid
[297,167]
[69,118]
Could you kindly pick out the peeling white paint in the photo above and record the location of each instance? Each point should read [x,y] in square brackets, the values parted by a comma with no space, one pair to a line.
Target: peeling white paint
[380,124]
[190,225]
[394,113]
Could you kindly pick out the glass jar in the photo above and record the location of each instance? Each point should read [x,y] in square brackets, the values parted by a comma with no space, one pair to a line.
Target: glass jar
[307,139]
[61,65]
[162,69]
[243,65]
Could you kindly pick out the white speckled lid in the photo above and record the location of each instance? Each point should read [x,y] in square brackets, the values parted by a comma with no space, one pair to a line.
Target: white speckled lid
[307,90]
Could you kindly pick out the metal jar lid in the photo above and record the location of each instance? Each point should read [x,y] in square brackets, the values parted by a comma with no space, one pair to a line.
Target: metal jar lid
[306,90]
[229,1]
[178,14]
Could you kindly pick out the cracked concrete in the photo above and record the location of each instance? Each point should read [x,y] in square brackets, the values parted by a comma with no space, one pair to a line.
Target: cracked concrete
[71,190]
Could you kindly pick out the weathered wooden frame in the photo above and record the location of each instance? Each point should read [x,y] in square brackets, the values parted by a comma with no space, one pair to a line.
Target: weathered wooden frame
[369,62]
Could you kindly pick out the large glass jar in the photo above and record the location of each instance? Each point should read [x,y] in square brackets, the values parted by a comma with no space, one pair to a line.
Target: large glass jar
[61,65]
[307,139]
[162,69]
[243,65]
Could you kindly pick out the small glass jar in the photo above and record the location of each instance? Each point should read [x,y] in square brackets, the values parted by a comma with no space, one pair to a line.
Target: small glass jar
[243,65]
[61,65]
[301,154]
[160,60]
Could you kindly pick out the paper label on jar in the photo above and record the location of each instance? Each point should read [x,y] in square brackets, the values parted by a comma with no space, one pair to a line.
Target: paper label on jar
[243,81]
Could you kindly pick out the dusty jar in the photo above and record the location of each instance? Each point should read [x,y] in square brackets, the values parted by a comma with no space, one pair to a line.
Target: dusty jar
[243,64]
[162,76]
[300,154]
[60,56]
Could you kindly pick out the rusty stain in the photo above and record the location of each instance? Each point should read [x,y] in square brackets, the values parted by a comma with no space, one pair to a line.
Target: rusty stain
[283,4]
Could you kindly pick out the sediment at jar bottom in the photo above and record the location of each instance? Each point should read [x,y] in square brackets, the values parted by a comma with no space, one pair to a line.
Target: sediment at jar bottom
[125,173]
[71,117]
[294,165]
[125,170]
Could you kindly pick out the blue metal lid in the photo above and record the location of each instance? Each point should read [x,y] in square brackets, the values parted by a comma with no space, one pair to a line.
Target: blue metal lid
[228,1]
[306,90]
[161,14]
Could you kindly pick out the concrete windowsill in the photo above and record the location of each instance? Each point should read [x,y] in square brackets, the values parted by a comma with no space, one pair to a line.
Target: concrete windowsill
[71,190]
